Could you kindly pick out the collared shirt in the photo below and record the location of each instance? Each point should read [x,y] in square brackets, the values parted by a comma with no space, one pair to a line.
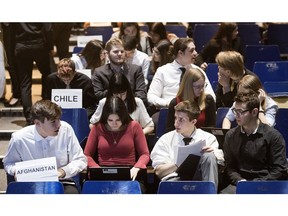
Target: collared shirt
[28,144]
[163,151]
[260,155]
[165,84]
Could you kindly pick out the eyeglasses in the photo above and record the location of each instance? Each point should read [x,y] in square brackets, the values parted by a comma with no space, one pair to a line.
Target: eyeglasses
[200,86]
[240,112]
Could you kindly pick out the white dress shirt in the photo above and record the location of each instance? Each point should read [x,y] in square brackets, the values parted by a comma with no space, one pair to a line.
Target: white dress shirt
[141,59]
[165,84]
[28,144]
[79,61]
[140,114]
[164,151]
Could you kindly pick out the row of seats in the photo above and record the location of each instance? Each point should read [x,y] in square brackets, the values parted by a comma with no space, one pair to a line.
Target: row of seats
[133,187]
[249,33]
[273,75]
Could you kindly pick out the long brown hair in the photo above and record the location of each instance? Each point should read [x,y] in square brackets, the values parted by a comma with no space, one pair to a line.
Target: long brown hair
[186,91]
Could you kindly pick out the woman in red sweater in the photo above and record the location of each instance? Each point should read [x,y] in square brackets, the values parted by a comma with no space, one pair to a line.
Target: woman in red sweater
[117,140]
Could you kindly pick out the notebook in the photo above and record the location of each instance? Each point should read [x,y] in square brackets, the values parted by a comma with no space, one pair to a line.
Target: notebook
[109,173]
[188,168]
[219,133]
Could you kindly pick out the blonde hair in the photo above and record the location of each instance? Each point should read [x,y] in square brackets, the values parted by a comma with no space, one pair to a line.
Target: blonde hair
[232,61]
[186,91]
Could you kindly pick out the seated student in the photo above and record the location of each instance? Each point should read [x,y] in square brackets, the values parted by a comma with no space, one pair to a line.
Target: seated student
[253,151]
[67,78]
[192,89]
[48,137]
[163,153]
[134,74]
[268,107]
[92,56]
[133,29]
[162,54]
[225,39]
[120,86]
[134,56]
[117,139]
[231,70]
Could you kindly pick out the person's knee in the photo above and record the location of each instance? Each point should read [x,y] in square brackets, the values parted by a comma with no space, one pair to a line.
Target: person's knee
[209,158]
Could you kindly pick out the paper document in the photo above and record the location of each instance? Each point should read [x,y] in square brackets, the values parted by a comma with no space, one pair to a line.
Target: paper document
[181,152]
[44,169]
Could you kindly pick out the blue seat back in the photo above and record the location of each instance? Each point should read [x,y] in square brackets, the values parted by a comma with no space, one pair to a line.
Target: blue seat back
[186,187]
[271,70]
[262,187]
[220,115]
[161,125]
[78,119]
[77,49]
[105,31]
[281,125]
[278,34]
[202,33]
[212,72]
[111,187]
[255,53]
[179,30]
[249,34]
[144,28]
[276,88]
[35,188]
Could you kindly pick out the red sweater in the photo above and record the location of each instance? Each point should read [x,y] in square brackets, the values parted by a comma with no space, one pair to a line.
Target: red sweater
[129,142]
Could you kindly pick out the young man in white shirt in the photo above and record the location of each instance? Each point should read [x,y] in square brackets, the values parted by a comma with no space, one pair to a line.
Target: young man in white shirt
[165,83]
[47,137]
[163,155]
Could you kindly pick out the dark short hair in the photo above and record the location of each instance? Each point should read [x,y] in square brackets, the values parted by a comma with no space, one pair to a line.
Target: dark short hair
[191,108]
[250,99]
[115,105]
[181,44]
[45,109]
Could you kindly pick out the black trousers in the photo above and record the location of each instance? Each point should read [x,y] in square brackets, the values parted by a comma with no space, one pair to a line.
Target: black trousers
[25,60]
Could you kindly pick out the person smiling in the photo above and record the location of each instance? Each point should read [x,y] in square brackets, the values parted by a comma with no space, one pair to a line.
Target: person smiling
[48,137]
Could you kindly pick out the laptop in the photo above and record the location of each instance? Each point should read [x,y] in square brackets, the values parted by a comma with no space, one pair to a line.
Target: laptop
[109,173]
[219,133]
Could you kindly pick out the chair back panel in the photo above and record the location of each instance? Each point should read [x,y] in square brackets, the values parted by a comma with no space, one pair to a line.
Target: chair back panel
[35,188]
[253,53]
[111,187]
[186,187]
[262,187]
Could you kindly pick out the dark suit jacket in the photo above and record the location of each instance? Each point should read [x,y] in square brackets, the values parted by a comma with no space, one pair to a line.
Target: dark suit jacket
[134,74]
[79,81]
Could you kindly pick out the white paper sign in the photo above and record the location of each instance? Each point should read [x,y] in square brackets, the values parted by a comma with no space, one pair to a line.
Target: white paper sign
[44,169]
[67,98]
[83,40]
[87,72]
[181,152]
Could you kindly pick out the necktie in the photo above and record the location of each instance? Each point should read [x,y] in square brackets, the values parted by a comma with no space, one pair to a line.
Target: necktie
[68,86]
[187,140]
[183,69]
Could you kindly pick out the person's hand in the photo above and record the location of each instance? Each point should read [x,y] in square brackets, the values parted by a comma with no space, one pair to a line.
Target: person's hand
[133,172]
[223,80]
[61,173]
[262,95]
[207,149]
